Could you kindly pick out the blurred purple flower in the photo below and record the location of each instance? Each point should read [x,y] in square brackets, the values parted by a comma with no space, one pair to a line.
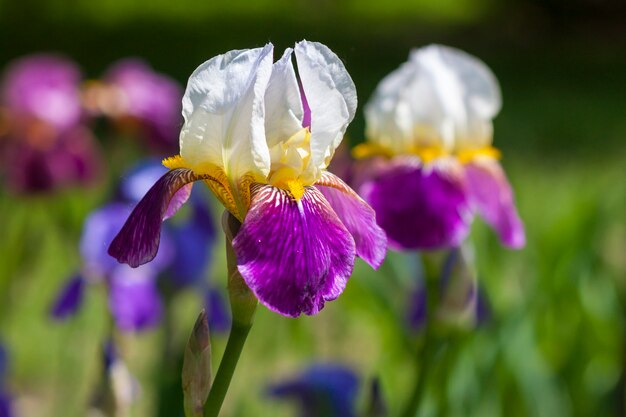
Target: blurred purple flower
[5,405]
[43,87]
[326,390]
[44,145]
[69,299]
[429,128]
[461,301]
[139,98]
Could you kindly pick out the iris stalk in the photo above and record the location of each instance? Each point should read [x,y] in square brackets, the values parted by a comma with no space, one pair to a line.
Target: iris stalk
[243,306]
[427,352]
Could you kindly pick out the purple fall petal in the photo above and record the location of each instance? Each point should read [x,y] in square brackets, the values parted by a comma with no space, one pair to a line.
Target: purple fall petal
[134,299]
[419,208]
[293,255]
[358,217]
[69,299]
[492,196]
[138,241]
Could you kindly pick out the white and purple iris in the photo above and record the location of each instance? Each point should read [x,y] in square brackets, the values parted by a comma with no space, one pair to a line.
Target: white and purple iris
[430,164]
[261,137]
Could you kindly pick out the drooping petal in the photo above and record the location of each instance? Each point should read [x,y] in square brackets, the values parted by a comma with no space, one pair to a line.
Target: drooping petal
[223,107]
[419,208]
[358,217]
[69,299]
[138,241]
[294,255]
[283,106]
[331,97]
[134,299]
[491,194]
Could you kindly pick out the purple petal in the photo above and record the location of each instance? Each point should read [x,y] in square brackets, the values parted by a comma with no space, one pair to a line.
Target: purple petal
[69,299]
[134,300]
[358,217]
[294,255]
[306,109]
[138,241]
[419,208]
[492,196]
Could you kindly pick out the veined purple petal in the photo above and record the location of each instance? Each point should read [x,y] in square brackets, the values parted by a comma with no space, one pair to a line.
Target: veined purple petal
[323,390]
[419,208]
[134,300]
[294,255]
[138,241]
[99,230]
[69,299]
[492,196]
[358,217]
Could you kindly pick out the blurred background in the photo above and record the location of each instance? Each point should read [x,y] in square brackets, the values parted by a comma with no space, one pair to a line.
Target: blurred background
[553,342]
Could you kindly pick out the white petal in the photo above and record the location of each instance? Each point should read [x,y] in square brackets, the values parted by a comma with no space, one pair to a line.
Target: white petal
[331,95]
[224,110]
[283,105]
[440,97]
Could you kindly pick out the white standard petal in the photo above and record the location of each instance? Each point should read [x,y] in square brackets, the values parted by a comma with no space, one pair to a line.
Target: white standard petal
[467,92]
[223,107]
[331,96]
[283,105]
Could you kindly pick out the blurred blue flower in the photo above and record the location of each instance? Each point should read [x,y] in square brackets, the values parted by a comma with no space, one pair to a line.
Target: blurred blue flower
[134,299]
[69,299]
[5,400]
[323,390]
[217,311]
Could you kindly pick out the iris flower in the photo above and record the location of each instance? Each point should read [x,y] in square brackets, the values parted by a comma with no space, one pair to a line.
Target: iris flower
[261,137]
[138,100]
[44,143]
[430,160]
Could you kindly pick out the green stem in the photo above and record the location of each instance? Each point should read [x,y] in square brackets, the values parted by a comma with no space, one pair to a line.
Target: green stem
[242,306]
[425,357]
[236,340]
